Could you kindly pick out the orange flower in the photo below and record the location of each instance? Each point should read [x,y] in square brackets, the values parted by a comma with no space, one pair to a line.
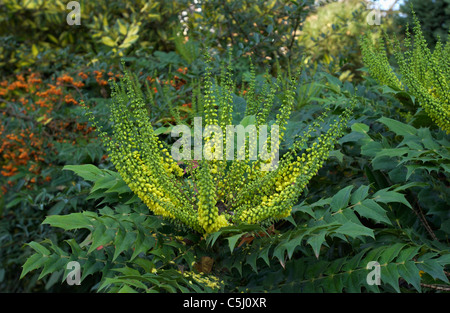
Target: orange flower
[42,103]
[64,79]
[83,75]
[68,99]
[32,79]
[78,84]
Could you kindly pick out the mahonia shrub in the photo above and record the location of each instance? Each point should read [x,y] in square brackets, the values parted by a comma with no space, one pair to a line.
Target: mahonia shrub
[423,73]
[350,214]
[206,195]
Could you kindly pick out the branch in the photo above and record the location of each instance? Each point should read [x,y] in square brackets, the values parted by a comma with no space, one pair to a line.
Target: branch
[437,287]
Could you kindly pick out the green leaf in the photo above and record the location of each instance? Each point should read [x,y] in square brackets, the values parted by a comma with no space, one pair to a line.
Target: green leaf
[248,120]
[108,41]
[337,154]
[57,208]
[292,244]
[316,241]
[410,273]
[122,28]
[390,253]
[143,244]
[387,89]
[14,202]
[101,236]
[407,254]
[32,263]
[87,171]
[90,267]
[163,130]
[394,152]
[55,263]
[360,194]
[146,264]
[389,275]
[211,239]
[126,289]
[445,167]
[119,187]
[360,127]
[123,241]
[303,208]
[232,241]
[334,82]
[68,222]
[386,196]
[105,182]
[370,209]
[409,185]
[371,148]
[397,127]
[444,259]
[53,279]
[433,268]
[39,248]
[291,220]
[354,230]
[251,260]
[264,254]
[340,200]
[129,40]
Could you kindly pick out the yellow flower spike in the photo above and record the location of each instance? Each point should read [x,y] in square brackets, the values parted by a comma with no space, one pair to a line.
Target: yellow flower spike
[208,195]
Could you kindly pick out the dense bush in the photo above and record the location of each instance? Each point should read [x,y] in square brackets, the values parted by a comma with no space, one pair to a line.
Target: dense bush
[374,212]
[267,30]
[107,30]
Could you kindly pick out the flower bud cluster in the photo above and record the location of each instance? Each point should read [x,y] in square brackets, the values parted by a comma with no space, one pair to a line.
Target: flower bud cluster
[212,194]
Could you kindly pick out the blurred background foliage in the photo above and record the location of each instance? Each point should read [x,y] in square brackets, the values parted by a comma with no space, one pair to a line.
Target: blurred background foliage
[434,16]
[330,35]
[47,67]
[35,32]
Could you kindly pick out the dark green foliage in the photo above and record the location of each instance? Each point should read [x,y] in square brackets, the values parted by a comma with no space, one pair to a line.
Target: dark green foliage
[107,30]
[434,15]
[265,29]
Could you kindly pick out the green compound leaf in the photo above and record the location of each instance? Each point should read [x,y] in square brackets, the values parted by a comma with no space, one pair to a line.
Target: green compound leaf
[354,230]
[370,209]
[87,171]
[68,222]
[340,200]
[397,127]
